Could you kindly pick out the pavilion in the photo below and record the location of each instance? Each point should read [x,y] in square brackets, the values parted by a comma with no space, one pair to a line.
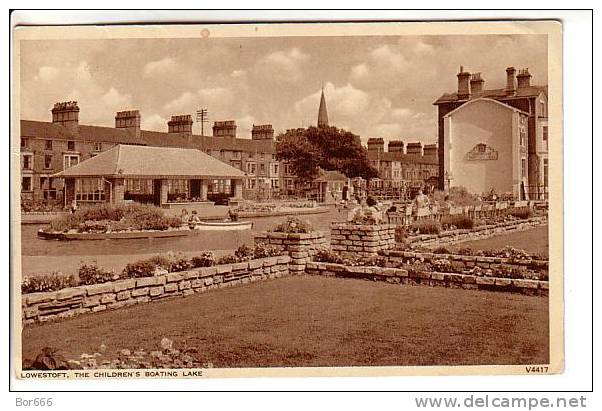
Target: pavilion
[165,176]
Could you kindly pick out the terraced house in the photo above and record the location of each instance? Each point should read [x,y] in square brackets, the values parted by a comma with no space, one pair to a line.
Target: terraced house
[51,147]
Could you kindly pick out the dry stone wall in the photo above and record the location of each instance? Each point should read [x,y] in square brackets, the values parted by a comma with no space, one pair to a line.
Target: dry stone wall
[361,240]
[70,302]
[432,279]
[301,247]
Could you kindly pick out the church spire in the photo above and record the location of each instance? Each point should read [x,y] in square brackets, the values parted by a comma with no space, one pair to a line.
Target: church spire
[322,113]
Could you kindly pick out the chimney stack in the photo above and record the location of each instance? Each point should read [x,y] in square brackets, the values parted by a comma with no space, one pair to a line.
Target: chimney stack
[129,119]
[262,132]
[476,83]
[395,146]
[376,145]
[510,81]
[224,129]
[523,78]
[430,150]
[180,124]
[463,84]
[66,113]
[414,149]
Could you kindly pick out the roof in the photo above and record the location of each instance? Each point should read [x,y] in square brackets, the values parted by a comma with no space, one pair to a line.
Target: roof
[141,161]
[322,112]
[509,107]
[497,94]
[402,158]
[55,131]
[162,139]
[331,175]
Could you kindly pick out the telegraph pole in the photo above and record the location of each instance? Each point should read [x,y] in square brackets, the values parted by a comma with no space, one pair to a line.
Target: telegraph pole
[201,117]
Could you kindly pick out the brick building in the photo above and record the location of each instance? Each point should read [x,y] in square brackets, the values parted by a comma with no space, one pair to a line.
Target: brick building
[495,138]
[50,147]
[414,167]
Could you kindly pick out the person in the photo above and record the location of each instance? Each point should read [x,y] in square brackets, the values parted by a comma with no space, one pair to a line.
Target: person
[232,215]
[421,203]
[194,219]
[184,216]
[73,207]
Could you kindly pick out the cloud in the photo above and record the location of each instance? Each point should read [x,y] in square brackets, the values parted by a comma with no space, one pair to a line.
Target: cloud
[159,67]
[47,73]
[114,98]
[154,122]
[281,66]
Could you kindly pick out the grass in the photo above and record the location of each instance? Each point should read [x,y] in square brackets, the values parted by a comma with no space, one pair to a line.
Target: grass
[533,241]
[318,321]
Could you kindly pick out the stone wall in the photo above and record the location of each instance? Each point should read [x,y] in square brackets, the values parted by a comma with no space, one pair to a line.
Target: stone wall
[363,240]
[70,302]
[477,233]
[301,247]
[434,279]
[467,262]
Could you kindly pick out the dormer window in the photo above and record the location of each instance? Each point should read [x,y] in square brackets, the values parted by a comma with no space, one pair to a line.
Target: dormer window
[71,145]
[97,146]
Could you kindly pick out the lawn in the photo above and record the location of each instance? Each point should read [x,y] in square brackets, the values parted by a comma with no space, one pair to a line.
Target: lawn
[533,241]
[318,321]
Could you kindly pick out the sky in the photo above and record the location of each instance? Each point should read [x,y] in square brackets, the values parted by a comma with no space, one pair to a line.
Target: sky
[375,86]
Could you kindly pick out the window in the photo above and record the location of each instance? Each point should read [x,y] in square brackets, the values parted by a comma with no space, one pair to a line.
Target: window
[71,145]
[236,154]
[139,185]
[275,183]
[177,186]
[47,161]
[70,160]
[48,145]
[262,169]
[262,156]
[523,168]
[24,142]
[545,172]
[276,169]
[545,137]
[26,184]
[89,189]
[27,161]
[542,109]
[97,146]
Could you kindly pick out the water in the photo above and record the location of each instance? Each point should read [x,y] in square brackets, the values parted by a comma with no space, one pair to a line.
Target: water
[205,240]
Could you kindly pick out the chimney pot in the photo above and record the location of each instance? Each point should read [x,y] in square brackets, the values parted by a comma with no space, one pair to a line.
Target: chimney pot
[510,81]
[523,78]
[180,124]
[463,84]
[66,113]
[476,83]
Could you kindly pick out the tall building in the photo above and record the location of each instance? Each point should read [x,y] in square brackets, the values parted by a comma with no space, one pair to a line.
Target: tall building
[495,139]
[322,112]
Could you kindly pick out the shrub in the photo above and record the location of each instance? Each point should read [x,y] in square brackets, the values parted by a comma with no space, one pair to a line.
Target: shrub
[228,259]
[160,261]
[93,274]
[522,213]
[325,255]
[263,250]
[120,217]
[426,227]
[459,196]
[244,253]
[179,263]
[206,259]
[48,359]
[460,221]
[144,268]
[441,250]
[47,282]
[293,225]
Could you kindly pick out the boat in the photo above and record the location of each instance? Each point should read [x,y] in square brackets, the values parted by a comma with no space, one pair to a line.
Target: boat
[223,225]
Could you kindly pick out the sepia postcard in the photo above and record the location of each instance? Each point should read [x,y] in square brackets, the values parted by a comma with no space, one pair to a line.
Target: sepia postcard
[299,199]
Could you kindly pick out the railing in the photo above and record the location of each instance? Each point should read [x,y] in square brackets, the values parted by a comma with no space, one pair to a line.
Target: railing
[407,214]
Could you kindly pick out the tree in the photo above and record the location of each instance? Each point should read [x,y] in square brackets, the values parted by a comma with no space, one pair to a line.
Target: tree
[328,148]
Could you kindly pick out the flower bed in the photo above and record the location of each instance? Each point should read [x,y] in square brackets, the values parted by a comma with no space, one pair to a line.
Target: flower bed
[91,273]
[166,357]
[73,301]
[106,218]
[514,265]
[420,274]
